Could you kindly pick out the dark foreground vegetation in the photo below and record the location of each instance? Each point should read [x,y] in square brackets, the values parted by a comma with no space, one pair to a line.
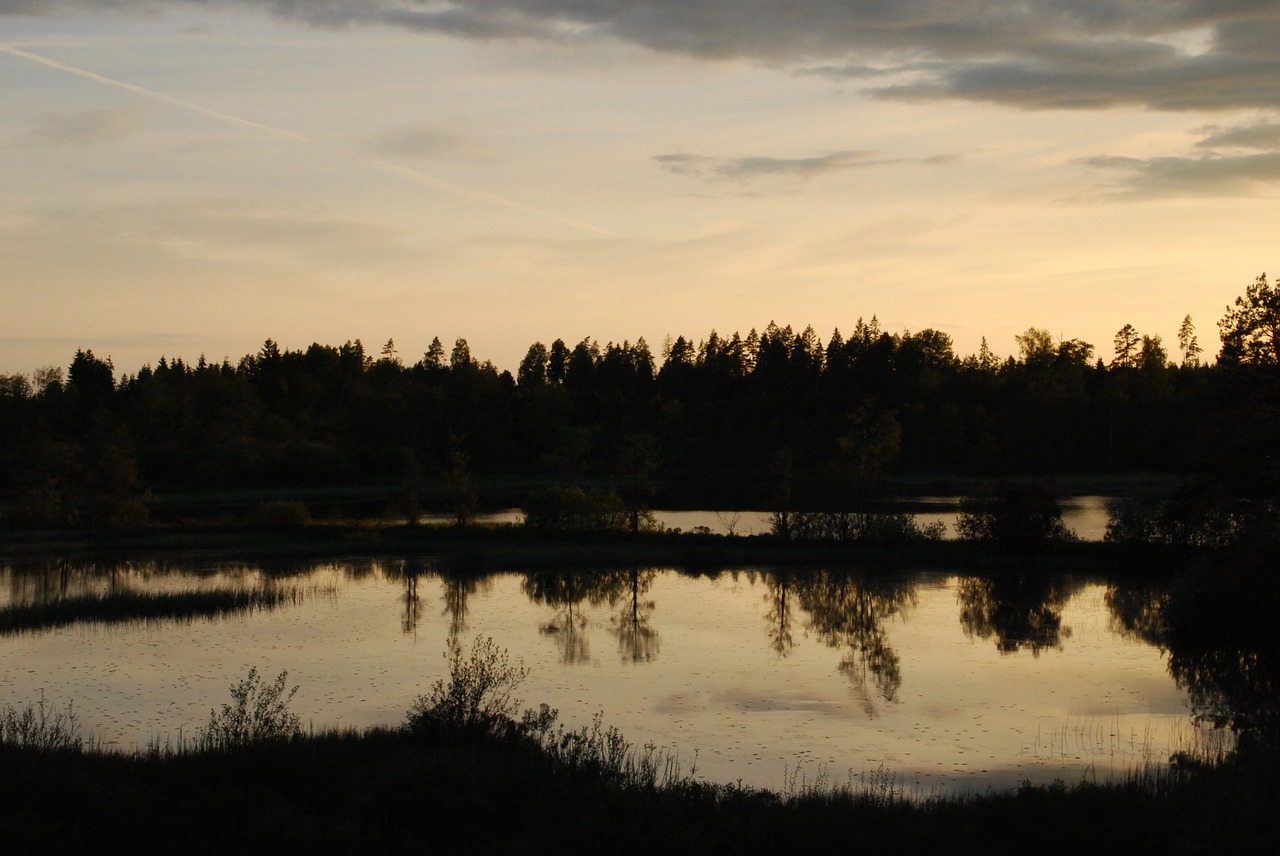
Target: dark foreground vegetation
[467,774]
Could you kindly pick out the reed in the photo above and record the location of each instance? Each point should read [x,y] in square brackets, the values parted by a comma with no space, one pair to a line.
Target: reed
[127,606]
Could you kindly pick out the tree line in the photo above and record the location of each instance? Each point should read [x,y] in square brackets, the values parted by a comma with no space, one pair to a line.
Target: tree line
[775,416]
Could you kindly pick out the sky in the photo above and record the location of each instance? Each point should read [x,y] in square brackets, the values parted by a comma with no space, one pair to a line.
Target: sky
[187,178]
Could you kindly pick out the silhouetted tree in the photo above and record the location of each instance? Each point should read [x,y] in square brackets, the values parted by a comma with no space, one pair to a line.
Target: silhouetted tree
[1188,343]
[1126,345]
[1251,330]
[533,368]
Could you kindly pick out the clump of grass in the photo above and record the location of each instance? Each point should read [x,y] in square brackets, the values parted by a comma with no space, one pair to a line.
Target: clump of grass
[604,754]
[259,713]
[40,727]
[477,698]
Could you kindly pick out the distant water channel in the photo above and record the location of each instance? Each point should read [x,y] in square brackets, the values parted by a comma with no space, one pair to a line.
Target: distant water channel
[944,682]
[1086,516]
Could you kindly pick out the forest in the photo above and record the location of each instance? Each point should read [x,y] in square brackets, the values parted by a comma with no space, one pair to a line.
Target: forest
[775,417]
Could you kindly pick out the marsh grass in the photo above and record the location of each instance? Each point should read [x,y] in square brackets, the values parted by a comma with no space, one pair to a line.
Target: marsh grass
[127,606]
[476,698]
[40,727]
[458,782]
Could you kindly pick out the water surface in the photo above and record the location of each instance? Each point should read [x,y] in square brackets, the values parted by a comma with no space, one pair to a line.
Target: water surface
[945,681]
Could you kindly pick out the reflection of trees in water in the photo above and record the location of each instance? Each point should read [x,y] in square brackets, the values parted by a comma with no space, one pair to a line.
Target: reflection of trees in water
[637,640]
[1138,610]
[1218,628]
[565,592]
[1021,612]
[48,581]
[1232,687]
[849,612]
[779,596]
[407,572]
[456,592]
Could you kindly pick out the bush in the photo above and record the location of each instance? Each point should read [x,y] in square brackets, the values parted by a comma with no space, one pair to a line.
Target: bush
[280,514]
[1189,516]
[478,693]
[885,527]
[572,509]
[37,727]
[259,713]
[1017,513]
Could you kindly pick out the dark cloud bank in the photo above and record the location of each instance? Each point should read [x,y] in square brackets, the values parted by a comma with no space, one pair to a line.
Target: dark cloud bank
[1164,54]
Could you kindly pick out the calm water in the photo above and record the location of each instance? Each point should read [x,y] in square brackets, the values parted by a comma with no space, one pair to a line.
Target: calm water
[949,682]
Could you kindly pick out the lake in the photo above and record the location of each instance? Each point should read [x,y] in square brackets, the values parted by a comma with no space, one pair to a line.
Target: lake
[944,682]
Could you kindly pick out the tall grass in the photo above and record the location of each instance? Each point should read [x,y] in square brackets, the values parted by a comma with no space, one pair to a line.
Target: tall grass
[41,727]
[128,606]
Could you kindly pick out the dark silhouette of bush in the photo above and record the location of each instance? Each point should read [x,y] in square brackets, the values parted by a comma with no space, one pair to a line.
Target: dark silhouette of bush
[572,509]
[1014,513]
[280,514]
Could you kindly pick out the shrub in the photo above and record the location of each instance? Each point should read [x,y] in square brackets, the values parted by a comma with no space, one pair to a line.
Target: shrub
[884,527]
[477,694]
[1189,516]
[1014,513]
[259,713]
[38,727]
[572,509]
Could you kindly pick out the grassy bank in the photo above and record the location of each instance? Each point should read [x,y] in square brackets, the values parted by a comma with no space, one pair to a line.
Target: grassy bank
[461,791]
[466,773]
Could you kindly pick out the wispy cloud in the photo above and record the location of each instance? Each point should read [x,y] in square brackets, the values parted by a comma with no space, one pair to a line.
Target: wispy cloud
[1222,170]
[429,143]
[404,172]
[746,169]
[86,127]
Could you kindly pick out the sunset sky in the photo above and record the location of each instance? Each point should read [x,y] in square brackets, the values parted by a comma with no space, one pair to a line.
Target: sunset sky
[182,178]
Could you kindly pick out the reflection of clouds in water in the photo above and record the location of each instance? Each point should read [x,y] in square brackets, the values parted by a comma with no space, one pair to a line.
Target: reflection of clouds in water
[757,701]
[744,700]
[680,703]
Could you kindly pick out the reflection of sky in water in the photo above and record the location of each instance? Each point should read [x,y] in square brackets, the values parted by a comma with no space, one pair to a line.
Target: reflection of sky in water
[712,681]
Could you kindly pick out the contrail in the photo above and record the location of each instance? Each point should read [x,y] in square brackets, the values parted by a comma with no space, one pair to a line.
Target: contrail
[413,175]
[150,93]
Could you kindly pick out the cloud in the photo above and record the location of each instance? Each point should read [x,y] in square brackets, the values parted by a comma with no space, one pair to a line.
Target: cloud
[1260,136]
[1210,175]
[223,229]
[750,168]
[86,127]
[1168,55]
[426,143]
[1206,173]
